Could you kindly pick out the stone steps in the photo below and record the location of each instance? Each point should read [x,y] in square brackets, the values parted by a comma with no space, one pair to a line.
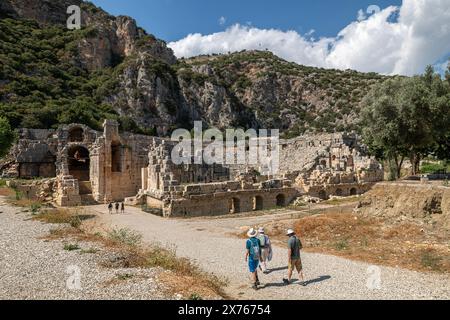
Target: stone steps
[88,200]
[85,187]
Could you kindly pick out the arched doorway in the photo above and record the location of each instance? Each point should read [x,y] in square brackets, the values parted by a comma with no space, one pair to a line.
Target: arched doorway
[353,192]
[258,203]
[339,192]
[79,163]
[235,205]
[281,200]
[323,195]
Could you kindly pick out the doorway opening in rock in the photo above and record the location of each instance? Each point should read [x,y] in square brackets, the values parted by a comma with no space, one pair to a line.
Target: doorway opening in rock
[281,200]
[116,157]
[258,203]
[76,135]
[353,192]
[79,163]
[235,205]
[323,195]
[339,192]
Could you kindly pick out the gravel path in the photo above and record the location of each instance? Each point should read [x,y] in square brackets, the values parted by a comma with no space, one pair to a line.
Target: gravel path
[33,268]
[208,242]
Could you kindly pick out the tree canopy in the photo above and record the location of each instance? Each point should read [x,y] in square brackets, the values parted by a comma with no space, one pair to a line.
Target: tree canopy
[7,136]
[408,118]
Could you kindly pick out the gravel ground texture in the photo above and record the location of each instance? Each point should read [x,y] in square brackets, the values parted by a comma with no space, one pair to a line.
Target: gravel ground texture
[33,268]
[210,244]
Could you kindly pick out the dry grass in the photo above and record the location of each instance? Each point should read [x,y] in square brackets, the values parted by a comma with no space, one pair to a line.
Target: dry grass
[6,192]
[180,276]
[372,240]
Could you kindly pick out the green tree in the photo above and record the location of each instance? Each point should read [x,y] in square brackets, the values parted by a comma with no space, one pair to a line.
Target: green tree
[7,136]
[407,118]
[447,73]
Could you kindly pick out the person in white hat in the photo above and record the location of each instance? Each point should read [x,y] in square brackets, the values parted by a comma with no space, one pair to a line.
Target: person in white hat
[294,259]
[266,249]
[253,256]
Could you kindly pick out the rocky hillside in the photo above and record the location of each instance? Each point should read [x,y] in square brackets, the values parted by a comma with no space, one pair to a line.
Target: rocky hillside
[113,69]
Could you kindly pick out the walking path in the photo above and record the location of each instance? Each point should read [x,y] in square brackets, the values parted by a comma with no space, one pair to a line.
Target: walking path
[208,242]
[32,268]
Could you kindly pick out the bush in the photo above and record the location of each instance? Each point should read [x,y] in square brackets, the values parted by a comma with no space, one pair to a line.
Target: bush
[71,247]
[7,136]
[430,168]
[125,236]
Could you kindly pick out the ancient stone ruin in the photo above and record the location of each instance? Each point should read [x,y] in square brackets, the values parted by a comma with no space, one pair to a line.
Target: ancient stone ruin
[75,165]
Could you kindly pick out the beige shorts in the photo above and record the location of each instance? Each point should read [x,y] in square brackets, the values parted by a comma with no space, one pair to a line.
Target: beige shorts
[296,264]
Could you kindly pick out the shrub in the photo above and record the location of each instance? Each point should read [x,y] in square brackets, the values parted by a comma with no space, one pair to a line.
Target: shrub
[71,247]
[125,236]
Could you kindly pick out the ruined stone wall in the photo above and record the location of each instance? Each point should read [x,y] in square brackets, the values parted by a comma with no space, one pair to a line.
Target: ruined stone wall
[425,203]
[230,202]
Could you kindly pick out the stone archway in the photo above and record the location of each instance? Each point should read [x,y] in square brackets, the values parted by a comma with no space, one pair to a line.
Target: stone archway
[235,205]
[323,195]
[281,200]
[79,163]
[353,192]
[339,192]
[258,203]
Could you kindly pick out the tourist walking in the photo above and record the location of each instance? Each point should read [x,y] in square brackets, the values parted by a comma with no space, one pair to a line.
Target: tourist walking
[117,207]
[122,207]
[294,258]
[266,249]
[253,256]
[110,208]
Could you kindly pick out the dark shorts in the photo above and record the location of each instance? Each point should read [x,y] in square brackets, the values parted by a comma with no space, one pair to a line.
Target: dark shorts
[253,265]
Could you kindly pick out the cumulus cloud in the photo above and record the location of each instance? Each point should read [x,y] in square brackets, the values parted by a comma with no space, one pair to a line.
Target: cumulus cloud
[419,35]
[361,15]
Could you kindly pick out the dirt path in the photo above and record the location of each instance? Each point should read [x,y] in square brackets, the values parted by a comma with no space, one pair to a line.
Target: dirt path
[208,242]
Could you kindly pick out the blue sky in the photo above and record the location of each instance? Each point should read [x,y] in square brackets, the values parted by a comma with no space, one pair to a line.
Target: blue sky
[400,37]
[172,20]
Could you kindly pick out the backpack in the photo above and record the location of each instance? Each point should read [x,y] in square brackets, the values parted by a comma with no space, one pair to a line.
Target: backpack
[254,249]
[262,241]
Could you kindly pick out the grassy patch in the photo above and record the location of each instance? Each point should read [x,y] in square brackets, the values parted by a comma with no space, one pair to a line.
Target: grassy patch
[125,276]
[71,247]
[341,245]
[57,216]
[431,260]
[125,237]
[89,251]
[338,201]
[180,276]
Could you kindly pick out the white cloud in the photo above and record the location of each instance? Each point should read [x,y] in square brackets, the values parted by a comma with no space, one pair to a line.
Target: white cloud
[420,36]
[222,20]
[361,15]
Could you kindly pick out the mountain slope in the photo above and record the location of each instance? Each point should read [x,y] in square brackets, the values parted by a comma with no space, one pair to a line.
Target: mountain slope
[113,69]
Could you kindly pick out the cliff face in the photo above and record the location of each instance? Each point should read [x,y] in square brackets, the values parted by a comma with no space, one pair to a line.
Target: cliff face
[133,75]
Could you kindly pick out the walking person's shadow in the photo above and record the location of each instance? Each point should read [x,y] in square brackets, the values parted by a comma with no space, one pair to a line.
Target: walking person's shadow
[317,280]
[305,283]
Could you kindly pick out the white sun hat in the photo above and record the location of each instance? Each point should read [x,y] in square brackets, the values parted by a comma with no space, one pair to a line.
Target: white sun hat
[252,233]
[290,231]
